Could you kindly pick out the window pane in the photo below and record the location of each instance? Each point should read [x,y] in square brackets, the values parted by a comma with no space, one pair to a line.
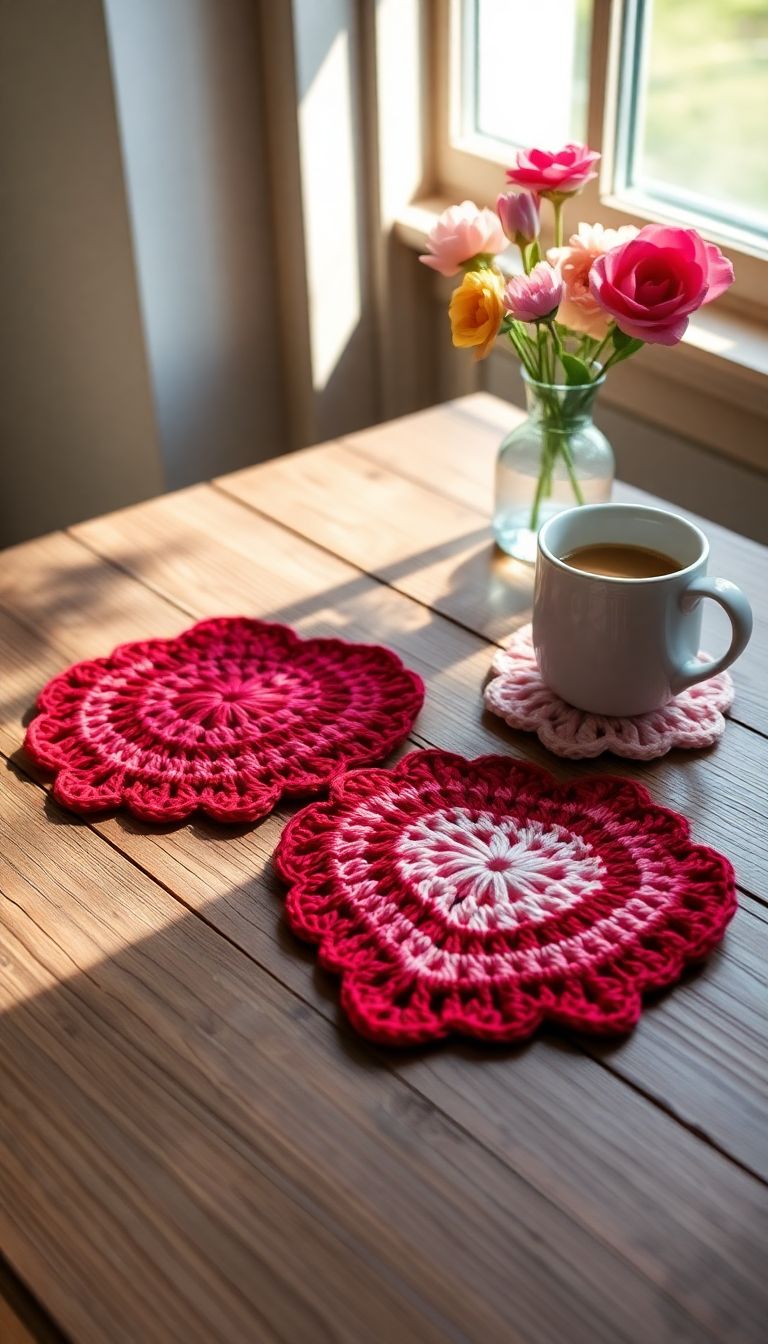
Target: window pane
[526,70]
[701,101]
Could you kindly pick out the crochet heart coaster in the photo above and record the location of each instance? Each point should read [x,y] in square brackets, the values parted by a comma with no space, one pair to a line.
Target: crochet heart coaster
[520,697]
[225,718]
[481,897]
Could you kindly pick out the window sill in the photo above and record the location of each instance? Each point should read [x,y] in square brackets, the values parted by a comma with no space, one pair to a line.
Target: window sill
[712,388]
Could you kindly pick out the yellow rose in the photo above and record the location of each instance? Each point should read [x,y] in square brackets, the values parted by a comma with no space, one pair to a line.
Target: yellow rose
[476,310]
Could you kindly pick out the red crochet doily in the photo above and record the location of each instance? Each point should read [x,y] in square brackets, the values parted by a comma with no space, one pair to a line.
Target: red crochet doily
[225,718]
[481,897]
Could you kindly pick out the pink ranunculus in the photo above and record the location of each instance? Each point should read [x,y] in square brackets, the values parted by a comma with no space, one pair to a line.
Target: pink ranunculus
[532,297]
[653,283]
[461,233]
[561,173]
[519,215]
[579,309]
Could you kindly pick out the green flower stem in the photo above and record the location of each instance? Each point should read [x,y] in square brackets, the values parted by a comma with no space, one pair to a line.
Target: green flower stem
[542,486]
[621,352]
[531,254]
[570,468]
[544,329]
[614,358]
[556,341]
[523,349]
[557,206]
[598,352]
[542,378]
[555,432]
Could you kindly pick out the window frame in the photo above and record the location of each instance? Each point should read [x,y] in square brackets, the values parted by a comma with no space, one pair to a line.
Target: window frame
[473,165]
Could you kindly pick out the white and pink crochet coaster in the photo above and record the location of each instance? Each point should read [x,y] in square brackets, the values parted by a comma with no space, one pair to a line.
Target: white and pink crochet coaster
[519,696]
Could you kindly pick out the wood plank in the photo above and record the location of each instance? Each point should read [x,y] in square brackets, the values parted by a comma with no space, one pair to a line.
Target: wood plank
[231,560]
[151,1077]
[258,566]
[184,1124]
[436,548]
[451,449]
[22,1321]
[424,545]
[15,1330]
[12,1328]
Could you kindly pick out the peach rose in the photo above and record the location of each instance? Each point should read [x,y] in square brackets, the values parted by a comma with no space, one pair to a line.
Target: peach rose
[476,310]
[579,309]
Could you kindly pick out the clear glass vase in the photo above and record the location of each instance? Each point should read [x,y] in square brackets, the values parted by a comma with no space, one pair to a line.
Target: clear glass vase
[557,458]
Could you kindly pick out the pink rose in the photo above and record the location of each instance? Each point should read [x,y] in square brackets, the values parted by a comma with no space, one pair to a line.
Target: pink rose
[532,297]
[461,233]
[519,215]
[562,173]
[652,284]
[579,309]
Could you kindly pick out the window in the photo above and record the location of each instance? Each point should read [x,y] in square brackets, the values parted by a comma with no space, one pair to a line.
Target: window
[512,109]
[693,133]
[672,92]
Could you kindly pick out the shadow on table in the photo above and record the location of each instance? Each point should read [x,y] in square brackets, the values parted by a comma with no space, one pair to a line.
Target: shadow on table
[188,1092]
[484,591]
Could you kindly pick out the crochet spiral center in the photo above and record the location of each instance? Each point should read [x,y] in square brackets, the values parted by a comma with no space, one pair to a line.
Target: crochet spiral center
[225,718]
[232,704]
[484,873]
[484,897]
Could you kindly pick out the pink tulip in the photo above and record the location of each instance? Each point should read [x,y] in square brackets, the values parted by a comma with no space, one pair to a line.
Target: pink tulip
[652,284]
[560,173]
[519,215]
[461,233]
[529,298]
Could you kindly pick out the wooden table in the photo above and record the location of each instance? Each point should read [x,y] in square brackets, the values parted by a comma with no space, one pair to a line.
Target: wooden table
[195,1146]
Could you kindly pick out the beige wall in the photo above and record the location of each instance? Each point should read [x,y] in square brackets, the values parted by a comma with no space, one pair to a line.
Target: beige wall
[188,85]
[333,191]
[230,194]
[138,289]
[77,431]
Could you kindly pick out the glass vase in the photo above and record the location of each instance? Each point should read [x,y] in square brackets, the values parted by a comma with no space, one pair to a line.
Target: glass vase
[555,459]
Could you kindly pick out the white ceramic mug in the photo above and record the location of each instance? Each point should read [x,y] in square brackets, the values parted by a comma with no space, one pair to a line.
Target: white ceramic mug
[627,646]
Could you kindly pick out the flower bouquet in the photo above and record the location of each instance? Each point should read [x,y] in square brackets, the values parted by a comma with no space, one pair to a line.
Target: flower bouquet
[570,317]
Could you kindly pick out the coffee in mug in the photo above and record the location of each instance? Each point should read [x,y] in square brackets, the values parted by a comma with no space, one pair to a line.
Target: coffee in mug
[621,562]
[615,641]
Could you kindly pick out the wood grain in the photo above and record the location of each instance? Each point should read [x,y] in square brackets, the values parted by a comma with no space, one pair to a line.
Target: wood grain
[187,1112]
[256,1176]
[391,510]
[452,449]
[262,564]
[207,553]
[22,1321]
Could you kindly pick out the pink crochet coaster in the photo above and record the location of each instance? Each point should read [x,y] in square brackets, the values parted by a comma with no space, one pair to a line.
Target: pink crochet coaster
[481,897]
[225,718]
[519,696]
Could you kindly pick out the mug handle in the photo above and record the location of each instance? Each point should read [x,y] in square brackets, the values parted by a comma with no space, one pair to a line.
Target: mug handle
[736,606]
